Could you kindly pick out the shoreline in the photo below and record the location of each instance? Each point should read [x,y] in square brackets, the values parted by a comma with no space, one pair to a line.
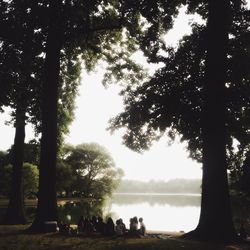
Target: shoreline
[167,233]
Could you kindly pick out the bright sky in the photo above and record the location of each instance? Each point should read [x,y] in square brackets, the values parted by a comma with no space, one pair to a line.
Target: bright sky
[96,105]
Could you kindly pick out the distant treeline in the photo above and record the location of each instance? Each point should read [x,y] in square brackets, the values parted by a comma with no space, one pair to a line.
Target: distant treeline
[171,186]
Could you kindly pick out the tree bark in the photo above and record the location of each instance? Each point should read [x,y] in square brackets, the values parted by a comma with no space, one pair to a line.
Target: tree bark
[215,221]
[47,202]
[15,212]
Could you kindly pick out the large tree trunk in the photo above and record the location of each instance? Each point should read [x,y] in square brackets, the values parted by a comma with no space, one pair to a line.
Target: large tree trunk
[47,203]
[215,218]
[15,212]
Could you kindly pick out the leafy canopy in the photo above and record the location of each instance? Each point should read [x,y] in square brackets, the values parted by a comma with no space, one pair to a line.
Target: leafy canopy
[93,171]
[170,102]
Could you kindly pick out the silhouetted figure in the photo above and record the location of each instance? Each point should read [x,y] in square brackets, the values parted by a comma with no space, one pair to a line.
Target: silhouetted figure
[94,221]
[118,228]
[130,224]
[68,229]
[133,227]
[142,229]
[59,225]
[81,224]
[64,228]
[242,232]
[110,227]
[89,228]
[124,229]
[100,226]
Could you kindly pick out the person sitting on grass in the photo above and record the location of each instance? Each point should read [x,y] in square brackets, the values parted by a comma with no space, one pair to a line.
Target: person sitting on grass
[89,227]
[123,226]
[81,224]
[64,228]
[110,227]
[119,228]
[59,226]
[100,226]
[242,231]
[133,227]
[142,230]
[94,221]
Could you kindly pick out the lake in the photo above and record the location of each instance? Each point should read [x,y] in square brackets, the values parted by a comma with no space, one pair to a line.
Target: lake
[161,212]
[164,212]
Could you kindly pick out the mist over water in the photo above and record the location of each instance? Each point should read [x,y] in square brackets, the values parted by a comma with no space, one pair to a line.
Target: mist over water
[163,212]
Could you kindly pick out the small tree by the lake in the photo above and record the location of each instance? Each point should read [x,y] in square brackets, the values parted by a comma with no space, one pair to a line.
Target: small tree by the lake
[87,171]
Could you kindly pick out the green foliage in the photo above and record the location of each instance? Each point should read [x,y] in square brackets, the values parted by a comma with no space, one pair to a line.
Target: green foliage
[121,68]
[64,177]
[84,207]
[239,178]
[86,170]
[31,153]
[30,179]
[69,82]
[93,171]
[4,158]
[171,101]
[92,31]
[20,47]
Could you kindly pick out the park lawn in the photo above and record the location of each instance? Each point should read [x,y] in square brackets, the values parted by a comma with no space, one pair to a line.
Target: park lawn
[14,238]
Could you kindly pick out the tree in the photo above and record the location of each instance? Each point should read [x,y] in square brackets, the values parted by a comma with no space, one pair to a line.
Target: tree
[91,27]
[65,178]
[244,180]
[31,152]
[29,175]
[95,171]
[47,204]
[215,218]
[22,23]
[27,34]
[186,97]
[239,178]
[5,76]
[4,158]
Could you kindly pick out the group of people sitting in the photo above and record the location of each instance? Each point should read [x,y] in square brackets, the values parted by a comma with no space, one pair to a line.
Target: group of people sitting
[137,228]
[96,225]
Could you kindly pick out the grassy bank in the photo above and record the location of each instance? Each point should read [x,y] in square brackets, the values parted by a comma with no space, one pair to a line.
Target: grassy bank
[14,238]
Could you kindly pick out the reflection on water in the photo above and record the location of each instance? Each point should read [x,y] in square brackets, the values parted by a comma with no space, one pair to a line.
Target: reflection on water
[166,212]
[71,211]
[155,198]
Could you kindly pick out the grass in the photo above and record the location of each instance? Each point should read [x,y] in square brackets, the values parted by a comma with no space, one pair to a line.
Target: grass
[14,238]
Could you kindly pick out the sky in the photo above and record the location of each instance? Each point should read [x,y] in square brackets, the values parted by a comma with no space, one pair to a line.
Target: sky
[97,104]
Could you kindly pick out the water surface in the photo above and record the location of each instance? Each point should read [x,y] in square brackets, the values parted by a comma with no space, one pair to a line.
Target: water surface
[164,212]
